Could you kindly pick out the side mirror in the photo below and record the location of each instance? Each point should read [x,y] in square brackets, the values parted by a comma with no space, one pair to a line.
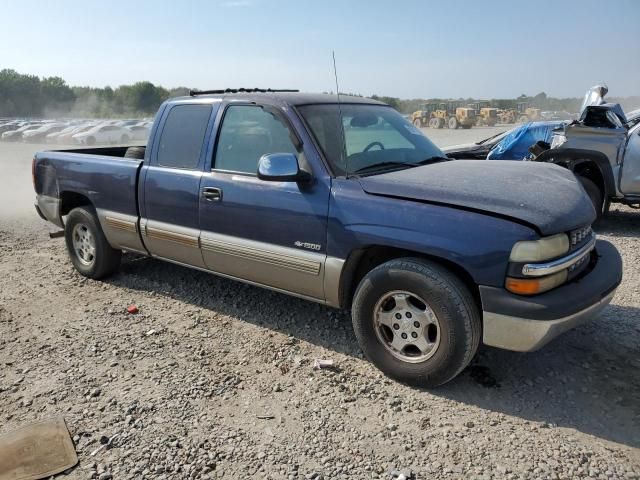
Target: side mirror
[280,167]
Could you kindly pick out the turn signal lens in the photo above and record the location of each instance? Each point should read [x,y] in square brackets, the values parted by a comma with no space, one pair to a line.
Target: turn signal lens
[533,286]
[540,250]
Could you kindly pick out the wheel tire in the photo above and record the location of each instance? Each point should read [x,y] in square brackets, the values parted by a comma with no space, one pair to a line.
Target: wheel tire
[523,119]
[453,123]
[417,123]
[439,122]
[135,153]
[594,194]
[106,259]
[458,319]
[91,141]
[433,123]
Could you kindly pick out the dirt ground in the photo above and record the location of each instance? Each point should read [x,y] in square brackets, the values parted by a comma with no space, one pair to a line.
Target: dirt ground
[214,379]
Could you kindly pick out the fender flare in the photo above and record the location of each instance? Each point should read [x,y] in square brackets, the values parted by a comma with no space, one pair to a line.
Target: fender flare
[576,156]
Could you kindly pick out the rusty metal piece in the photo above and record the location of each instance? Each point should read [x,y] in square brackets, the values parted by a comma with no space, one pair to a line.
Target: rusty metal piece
[36,451]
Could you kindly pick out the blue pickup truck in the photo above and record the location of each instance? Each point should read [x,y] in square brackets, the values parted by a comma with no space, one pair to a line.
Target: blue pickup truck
[347,204]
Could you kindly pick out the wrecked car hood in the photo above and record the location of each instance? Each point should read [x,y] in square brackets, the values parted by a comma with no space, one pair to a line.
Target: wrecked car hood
[545,196]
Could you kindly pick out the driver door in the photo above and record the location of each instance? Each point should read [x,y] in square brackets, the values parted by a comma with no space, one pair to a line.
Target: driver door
[270,233]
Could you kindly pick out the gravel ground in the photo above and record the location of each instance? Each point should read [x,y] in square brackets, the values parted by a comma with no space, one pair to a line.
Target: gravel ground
[214,379]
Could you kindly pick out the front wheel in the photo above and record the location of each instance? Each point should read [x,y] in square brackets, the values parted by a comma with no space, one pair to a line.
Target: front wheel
[595,195]
[416,321]
[88,248]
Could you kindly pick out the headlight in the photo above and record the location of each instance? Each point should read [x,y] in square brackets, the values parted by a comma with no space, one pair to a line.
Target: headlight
[540,250]
[558,140]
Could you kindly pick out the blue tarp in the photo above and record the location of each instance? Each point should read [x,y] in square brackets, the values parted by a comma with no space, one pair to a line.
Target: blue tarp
[515,146]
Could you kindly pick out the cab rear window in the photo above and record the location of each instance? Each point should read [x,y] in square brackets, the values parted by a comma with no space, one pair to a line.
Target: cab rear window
[183,136]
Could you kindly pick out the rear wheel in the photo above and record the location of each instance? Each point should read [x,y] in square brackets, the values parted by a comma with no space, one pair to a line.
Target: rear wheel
[416,321]
[417,123]
[453,123]
[439,122]
[595,195]
[88,248]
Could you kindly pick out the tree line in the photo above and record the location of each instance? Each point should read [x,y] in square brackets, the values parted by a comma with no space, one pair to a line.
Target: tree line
[31,96]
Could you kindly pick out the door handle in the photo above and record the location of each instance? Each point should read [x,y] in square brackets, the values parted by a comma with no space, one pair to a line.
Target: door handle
[212,194]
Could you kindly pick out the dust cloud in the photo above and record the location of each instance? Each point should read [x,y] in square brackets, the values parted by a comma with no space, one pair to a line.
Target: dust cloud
[16,188]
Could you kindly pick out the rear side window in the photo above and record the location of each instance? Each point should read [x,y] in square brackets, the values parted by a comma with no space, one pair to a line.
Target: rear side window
[247,133]
[183,135]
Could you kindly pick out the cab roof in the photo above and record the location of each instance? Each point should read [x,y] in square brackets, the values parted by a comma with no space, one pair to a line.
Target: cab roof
[281,98]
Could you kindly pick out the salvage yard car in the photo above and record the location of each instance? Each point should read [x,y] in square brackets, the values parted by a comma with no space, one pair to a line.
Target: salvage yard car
[512,144]
[346,204]
[603,149]
[103,134]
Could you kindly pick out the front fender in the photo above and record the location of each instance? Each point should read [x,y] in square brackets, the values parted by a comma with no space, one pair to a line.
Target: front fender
[478,243]
[572,157]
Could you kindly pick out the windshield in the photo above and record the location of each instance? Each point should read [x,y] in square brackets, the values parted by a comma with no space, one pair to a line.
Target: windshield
[374,136]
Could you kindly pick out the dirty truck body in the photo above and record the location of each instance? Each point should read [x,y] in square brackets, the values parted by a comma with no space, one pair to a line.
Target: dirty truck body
[431,256]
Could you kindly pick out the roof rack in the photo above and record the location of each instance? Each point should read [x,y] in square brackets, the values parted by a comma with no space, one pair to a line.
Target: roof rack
[193,93]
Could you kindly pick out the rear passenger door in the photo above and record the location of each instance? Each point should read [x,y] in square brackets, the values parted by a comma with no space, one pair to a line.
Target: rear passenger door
[170,202]
[270,233]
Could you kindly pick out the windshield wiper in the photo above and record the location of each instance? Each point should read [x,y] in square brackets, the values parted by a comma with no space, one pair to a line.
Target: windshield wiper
[382,166]
[482,142]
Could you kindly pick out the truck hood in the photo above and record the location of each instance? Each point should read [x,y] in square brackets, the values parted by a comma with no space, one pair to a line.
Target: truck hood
[544,196]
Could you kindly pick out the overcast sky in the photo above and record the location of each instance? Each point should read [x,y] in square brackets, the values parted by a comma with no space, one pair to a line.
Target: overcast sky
[442,48]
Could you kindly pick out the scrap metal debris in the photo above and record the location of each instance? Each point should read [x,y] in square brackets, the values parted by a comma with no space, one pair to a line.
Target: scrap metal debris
[106,443]
[319,364]
[37,451]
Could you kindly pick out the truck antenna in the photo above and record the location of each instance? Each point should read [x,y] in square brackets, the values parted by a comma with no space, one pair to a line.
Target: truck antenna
[340,120]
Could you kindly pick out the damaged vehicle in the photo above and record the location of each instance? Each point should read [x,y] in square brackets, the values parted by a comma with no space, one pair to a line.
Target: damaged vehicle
[513,144]
[346,203]
[602,148]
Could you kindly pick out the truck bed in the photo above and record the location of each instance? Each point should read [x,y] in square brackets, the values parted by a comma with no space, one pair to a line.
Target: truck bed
[102,175]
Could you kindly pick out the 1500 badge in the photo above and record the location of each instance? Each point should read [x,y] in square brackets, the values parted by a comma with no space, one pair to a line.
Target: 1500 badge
[309,246]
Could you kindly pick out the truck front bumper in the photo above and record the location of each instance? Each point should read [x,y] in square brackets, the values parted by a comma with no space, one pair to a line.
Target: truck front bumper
[525,324]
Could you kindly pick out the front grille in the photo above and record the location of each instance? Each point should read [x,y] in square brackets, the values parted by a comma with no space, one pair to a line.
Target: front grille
[578,236]
[579,263]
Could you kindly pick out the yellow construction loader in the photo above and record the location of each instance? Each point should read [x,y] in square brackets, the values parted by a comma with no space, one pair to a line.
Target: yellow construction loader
[485,114]
[452,115]
[527,113]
